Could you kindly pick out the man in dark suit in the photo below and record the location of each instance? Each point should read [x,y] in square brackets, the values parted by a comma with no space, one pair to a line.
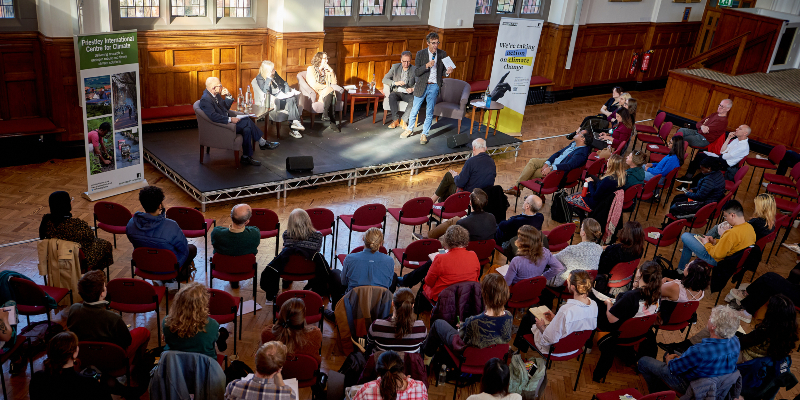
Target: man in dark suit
[399,82]
[430,72]
[570,157]
[216,102]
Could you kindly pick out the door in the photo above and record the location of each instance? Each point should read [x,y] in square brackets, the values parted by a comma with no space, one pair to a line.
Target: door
[706,36]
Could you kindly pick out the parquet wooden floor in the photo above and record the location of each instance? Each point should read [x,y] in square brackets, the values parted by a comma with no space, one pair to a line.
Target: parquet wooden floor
[23,200]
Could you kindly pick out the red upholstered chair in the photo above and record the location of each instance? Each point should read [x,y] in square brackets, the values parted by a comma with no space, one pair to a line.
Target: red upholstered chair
[575,341]
[306,370]
[700,219]
[785,222]
[670,235]
[268,224]
[525,293]
[32,298]
[136,296]
[683,315]
[7,356]
[617,394]
[739,267]
[365,217]
[299,268]
[323,221]
[112,218]
[654,129]
[109,358]
[668,181]
[663,132]
[622,274]
[416,253]
[541,186]
[647,193]
[312,301]
[573,178]
[791,180]
[716,216]
[659,138]
[223,307]
[560,237]
[594,168]
[484,249]
[762,245]
[192,223]
[631,194]
[154,264]
[733,186]
[341,257]
[455,205]
[415,212]
[772,161]
[234,269]
[633,331]
[472,360]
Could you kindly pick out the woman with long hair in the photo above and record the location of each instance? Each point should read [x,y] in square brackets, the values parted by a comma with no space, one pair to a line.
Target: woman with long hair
[300,232]
[631,105]
[290,329]
[59,380]
[532,258]
[599,190]
[671,161]
[188,327]
[630,247]
[392,382]
[321,78]
[494,382]
[402,332]
[584,255]
[624,130]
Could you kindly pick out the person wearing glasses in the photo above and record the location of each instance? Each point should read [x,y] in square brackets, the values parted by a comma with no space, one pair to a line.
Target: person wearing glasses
[430,72]
[710,128]
[400,81]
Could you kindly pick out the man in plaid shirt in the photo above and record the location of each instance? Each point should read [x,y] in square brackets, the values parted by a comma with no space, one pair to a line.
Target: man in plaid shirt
[714,356]
[267,383]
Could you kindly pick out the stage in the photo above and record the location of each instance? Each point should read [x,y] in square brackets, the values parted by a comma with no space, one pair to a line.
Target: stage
[362,149]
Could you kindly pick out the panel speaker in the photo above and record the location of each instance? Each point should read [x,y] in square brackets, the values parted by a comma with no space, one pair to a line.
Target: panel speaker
[300,164]
[457,140]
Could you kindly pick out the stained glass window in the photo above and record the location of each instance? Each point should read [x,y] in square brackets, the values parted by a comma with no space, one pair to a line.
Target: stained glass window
[370,7]
[483,7]
[233,8]
[188,8]
[339,8]
[531,6]
[404,7]
[137,8]
[505,6]
[6,8]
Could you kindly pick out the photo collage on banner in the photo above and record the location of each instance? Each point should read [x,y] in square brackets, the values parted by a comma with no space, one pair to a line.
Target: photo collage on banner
[109,69]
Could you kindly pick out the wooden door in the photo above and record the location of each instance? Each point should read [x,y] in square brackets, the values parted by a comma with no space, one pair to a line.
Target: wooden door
[706,36]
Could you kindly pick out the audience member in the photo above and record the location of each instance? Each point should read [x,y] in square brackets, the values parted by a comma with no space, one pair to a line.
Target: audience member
[59,379]
[731,153]
[763,221]
[494,382]
[402,332]
[629,248]
[60,224]
[749,300]
[392,382]
[692,284]
[714,356]
[152,228]
[266,383]
[634,175]
[399,82]
[712,251]
[507,230]
[493,326]
[300,232]
[570,157]
[270,82]
[290,329]
[613,103]
[706,188]
[643,300]
[532,258]
[584,255]
[710,128]
[600,190]
[321,78]
[671,161]
[188,327]
[622,133]
[238,238]
[480,224]
[479,172]
[578,314]
[369,267]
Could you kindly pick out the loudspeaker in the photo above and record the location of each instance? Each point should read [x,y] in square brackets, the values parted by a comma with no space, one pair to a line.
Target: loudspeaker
[300,164]
[457,140]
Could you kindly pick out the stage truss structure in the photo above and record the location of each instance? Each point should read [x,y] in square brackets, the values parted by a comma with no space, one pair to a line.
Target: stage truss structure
[351,176]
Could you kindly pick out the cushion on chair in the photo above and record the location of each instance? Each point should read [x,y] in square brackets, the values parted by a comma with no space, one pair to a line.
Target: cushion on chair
[615,395]
[779,179]
[395,213]
[226,276]
[119,230]
[646,129]
[272,234]
[759,163]
[56,293]
[212,134]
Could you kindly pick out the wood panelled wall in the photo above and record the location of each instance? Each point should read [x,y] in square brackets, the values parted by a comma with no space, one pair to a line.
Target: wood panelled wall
[772,121]
[756,58]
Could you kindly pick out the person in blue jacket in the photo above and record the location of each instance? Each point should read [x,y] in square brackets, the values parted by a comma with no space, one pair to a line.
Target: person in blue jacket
[673,160]
[152,228]
[570,157]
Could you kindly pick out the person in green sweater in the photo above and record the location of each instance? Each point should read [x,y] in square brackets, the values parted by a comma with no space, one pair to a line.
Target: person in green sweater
[188,327]
[237,239]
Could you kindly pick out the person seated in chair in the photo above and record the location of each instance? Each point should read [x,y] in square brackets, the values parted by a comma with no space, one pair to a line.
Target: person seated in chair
[532,258]
[369,267]
[507,230]
[709,129]
[238,239]
[479,172]
[321,78]
[290,328]
[671,161]
[735,148]
[59,379]
[216,102]
[399,83]
[270,82]
[570,157]
[622,133]
[267,382]
[740,236]
[634,175]
[709,187]
[480,224]
[600,189]
[188,326]
[400,332]
[392,382]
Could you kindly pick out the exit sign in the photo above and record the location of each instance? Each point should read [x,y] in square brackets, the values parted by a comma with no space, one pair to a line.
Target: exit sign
[725,3]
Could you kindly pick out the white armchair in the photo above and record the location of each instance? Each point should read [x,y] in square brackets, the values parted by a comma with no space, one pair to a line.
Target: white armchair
[308,98]
[260,98]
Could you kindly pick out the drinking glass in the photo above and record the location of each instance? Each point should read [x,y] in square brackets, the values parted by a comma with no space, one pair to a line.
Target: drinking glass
[360,86]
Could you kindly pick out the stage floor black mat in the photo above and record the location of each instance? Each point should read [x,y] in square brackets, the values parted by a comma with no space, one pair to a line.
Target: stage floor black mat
[360,144]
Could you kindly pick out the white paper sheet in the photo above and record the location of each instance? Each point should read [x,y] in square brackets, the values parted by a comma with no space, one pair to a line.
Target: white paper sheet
[247,307]
[601,296]
[282,95]
[350,87]
[502,270]
[448,63]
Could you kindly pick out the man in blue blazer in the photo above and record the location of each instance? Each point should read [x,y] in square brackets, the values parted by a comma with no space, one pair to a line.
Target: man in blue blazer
[216,102]
[570,157]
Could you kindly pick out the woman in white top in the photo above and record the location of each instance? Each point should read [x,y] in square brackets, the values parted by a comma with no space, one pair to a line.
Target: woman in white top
[584,255]
[578,314]
[691,287]
[494,382]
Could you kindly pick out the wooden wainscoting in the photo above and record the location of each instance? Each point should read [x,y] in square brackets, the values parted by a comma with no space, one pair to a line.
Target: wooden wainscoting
[62,94]
[292,52]
[673,43]
[756,57]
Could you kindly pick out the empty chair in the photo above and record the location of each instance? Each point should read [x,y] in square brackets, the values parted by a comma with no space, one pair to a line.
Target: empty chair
[267,223]
[32,299]
[192,223]
[112,218]
[791,180]
[631,194]
[622,274]
[452,101]
[669,180]
[223,307]
[415,212]
[416,254]
[733,186]
[136,296]
[647,193]
[548,185]
[560,237]
[659,139]
[484,249]
[365,217]
[456,205]
[525,293]
[654,129]
[572,345]
[669,235]
[574,178]
[633,332]
[682,316]
[775,157]
[234,269]
[154,264]
[306,370]
[700,218]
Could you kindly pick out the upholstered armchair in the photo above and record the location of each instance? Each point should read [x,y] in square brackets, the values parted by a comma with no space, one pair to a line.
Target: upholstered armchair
[452,100]
[274,115]
[218,136]
[308,98]
[401,105]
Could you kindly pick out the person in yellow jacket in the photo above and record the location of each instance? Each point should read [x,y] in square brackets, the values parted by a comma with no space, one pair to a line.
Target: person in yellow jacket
[737,235]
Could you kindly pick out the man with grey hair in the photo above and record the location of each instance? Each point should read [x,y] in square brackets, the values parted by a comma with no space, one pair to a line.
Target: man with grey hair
[735,148]
[479,172]
[714,356]
[507,230]
[710,128]
[237,239]
[399,84]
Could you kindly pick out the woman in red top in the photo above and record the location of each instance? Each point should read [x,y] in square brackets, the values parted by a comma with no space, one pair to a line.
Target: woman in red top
[623,130]
[456,265]
[290,329]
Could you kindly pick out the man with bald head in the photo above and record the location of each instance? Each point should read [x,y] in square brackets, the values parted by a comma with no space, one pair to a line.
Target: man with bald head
[216,103]
[735,148]
[507,230]
[237,239]
[710,128]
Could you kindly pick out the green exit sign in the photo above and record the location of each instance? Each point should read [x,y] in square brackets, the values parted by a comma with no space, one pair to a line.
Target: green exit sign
[725,3]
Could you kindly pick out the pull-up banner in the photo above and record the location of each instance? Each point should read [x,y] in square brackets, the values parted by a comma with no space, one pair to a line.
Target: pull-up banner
[512,67]
[108,70]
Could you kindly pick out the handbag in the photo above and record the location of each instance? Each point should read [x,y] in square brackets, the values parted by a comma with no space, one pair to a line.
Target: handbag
[559,210]
[685,209]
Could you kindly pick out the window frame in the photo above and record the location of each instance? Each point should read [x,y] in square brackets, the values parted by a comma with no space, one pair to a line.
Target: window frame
[25,17]
[167,22]
[385,19]
[494,17]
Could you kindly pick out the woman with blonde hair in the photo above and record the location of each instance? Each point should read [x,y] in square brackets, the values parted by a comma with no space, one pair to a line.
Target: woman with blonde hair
[322,79]
[584,255]
[300,232]
[290,329]
[271,83]
[532,258]
[613,180]
[188,327]
[368,267]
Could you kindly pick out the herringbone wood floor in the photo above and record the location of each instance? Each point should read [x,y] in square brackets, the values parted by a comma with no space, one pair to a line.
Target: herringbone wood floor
[23,200]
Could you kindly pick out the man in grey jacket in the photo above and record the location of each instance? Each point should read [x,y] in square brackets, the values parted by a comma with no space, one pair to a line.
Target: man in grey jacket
[430,72]
[400,84]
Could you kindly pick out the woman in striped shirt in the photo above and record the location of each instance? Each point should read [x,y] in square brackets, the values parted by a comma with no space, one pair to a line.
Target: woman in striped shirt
[401,332]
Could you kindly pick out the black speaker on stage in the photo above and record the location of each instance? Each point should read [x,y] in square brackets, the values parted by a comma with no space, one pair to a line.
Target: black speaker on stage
[457,140]
[300,164]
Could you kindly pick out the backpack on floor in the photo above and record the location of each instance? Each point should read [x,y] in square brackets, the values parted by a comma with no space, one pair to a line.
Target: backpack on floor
[559,210]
